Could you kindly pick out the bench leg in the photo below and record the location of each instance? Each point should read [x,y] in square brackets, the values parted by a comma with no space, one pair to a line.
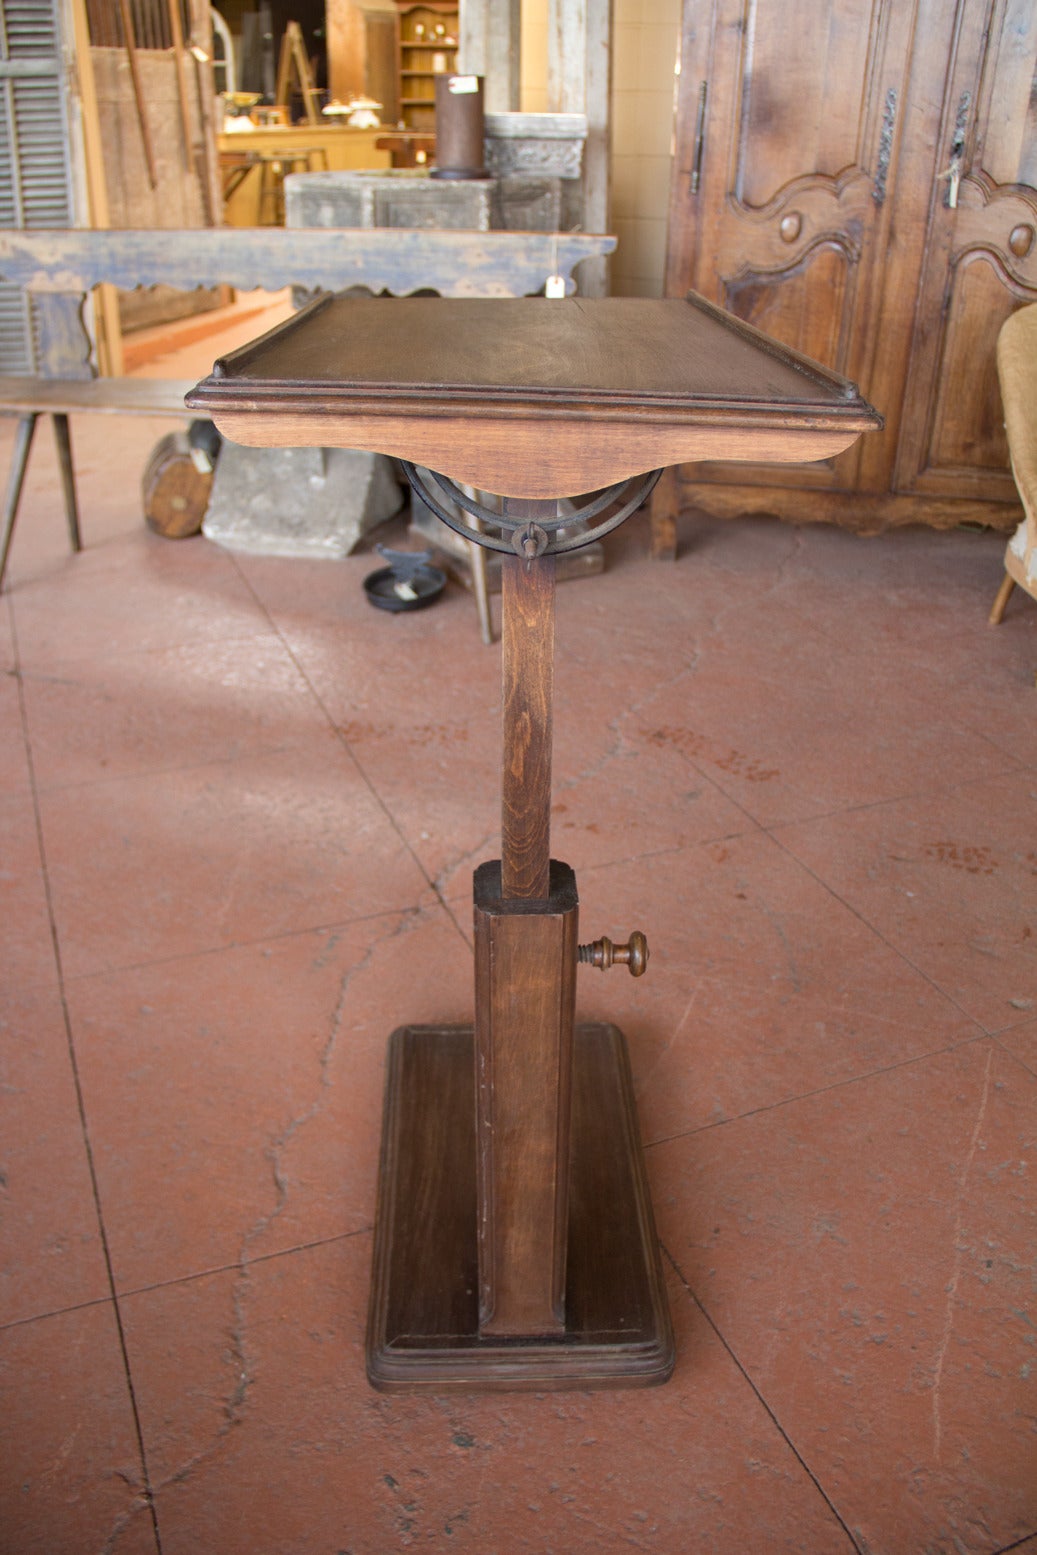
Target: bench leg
[477,561]
[664,504]
[998,608]
[22,444]
[68,481]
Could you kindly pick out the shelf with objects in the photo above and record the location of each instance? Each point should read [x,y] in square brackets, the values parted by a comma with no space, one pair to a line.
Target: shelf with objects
[428,47]
[514,1240]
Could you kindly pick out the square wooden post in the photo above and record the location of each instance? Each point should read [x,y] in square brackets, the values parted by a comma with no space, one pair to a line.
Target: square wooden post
[525,990]
[525,993]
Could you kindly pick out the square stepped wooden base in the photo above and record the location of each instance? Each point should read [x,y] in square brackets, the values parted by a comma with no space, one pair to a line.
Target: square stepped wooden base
[423,1330]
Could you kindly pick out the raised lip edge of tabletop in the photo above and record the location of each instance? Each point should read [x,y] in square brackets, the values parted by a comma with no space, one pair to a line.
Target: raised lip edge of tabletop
[226,390]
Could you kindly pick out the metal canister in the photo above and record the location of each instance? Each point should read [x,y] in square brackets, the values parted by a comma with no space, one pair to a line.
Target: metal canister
[459,127]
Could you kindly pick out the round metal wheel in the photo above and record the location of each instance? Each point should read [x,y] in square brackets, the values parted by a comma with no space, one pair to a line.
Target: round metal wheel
[530,528]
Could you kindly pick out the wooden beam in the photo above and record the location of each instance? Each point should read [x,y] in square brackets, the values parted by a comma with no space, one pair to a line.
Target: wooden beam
[126,17]
[181,77]
[488,46]
[579,80]
[107,332]
[456,264]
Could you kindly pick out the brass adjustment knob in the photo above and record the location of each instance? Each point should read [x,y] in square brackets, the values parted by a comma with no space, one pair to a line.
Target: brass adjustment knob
[602,953]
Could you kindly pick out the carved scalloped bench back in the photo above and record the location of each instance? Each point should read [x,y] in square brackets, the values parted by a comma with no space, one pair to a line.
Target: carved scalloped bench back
[61,267]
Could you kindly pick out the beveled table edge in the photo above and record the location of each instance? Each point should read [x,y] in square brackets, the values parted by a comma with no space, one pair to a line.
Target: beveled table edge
[535,442]
[542,458]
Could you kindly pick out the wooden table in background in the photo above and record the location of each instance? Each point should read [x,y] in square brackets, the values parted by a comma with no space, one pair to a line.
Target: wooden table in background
[340,145]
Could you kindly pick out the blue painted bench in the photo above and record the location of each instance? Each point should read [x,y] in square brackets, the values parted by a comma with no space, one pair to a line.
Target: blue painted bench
[60,269]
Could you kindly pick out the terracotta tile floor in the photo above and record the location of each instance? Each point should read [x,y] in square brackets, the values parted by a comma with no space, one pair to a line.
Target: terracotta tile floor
[240,810]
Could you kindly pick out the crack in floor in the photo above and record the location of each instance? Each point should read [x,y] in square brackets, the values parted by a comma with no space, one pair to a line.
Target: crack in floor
[959,1254]
[233,1406]
[621,743]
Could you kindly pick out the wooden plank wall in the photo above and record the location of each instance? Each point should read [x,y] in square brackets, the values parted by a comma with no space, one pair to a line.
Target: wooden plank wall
[178,185]
[152,28]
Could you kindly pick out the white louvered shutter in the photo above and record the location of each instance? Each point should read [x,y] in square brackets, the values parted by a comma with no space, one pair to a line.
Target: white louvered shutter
[35,179]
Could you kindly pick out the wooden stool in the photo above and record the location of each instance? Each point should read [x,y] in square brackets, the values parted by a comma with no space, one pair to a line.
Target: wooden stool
[408,149]
[514,1242]
[274,165]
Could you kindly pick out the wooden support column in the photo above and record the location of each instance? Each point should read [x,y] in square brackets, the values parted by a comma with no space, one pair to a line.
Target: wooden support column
[525,989]
[579,80]
[106,329]
[489,46]
[527,687]
[525,984]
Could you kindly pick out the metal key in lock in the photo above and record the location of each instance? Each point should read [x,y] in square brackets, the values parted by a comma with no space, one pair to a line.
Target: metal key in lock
[953,175]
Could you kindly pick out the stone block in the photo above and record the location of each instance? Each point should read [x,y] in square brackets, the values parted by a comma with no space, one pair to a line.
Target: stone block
[406,198]
[548,145]
[524,204]
[312,503]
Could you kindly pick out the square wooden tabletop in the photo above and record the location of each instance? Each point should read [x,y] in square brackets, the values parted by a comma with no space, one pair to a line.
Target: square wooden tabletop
[530,396]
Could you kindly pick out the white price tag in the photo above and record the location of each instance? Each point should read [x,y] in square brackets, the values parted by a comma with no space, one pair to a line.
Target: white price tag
[459,84]
[555,286]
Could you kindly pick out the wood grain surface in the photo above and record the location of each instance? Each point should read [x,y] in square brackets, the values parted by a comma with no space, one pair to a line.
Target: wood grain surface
[110,396]
[525,993]
[423,1325]
[527,686]
[530,397]
[538,456]
[811,194]
[455,264]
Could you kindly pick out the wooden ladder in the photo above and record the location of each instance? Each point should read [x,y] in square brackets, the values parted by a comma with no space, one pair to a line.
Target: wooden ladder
[293,57]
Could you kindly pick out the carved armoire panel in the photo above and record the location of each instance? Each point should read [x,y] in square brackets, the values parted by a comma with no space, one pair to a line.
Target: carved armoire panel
[857,177]
[778,206]
[980,259]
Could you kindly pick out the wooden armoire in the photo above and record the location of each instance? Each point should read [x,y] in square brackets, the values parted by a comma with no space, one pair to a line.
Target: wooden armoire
[857,177]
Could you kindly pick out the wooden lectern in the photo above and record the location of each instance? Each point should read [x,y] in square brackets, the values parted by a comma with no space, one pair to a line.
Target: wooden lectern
[514,1240]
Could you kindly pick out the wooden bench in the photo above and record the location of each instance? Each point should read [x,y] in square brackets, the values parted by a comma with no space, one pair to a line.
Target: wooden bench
[60,269]
[29,398]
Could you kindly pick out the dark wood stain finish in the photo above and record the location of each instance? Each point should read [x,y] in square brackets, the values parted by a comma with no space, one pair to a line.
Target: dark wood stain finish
[423,1328]
[532,397]
[514,1244]
[527,682]
[525,996]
